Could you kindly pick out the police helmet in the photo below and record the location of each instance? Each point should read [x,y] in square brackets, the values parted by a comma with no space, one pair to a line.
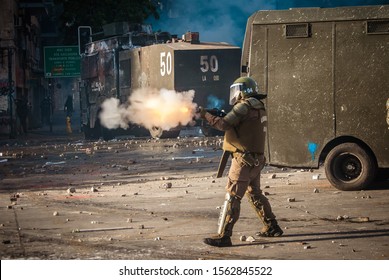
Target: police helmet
[243,88]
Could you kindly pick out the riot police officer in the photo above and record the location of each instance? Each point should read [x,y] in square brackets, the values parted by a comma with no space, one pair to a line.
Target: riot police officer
[245,130]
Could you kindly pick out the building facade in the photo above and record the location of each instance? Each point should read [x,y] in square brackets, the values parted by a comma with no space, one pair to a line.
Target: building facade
[21,62]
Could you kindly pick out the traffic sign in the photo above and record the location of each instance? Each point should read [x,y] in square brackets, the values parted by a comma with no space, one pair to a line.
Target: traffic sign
[61,61]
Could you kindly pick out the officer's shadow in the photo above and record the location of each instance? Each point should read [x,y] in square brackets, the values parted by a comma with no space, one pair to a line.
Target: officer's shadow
[319,236]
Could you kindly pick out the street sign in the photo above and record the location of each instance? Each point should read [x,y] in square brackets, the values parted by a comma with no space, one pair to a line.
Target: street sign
[61,61]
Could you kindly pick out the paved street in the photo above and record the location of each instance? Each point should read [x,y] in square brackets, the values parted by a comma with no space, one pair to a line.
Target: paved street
[62,197]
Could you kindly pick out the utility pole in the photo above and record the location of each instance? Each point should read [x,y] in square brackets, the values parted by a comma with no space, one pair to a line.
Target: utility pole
[12,134]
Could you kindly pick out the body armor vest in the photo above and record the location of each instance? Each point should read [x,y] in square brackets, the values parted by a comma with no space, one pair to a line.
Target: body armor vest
[250,132]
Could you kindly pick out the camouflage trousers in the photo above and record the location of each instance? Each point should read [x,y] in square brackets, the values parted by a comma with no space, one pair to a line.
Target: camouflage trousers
[245,180]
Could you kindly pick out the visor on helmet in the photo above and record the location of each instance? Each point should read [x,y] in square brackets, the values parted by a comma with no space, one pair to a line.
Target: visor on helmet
[235,89]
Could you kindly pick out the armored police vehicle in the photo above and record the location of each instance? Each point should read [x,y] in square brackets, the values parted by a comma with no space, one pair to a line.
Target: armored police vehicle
[326,74]
[132,57]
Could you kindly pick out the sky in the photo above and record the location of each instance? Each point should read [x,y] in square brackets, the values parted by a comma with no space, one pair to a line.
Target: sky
[225,20]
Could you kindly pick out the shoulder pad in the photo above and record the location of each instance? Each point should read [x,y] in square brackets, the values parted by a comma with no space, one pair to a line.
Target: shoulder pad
[255,103]
[241,109]
[236,114]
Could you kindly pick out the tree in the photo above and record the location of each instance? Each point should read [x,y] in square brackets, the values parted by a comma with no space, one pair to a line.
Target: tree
[97,13]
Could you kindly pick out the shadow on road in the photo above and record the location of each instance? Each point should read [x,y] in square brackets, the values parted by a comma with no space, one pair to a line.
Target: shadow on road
[320,236]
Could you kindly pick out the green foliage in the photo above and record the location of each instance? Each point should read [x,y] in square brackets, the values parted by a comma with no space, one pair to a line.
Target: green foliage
[96,13]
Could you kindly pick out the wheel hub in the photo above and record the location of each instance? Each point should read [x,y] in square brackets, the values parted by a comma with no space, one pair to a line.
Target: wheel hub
[351,167]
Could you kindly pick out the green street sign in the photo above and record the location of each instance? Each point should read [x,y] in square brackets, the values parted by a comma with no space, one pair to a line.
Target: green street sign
[61,61]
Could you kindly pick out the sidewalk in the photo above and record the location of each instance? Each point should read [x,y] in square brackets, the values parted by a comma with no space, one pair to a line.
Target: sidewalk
[43,133]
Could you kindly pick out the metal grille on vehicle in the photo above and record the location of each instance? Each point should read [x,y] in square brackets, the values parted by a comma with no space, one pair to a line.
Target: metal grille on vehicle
[377,27]
[297,30]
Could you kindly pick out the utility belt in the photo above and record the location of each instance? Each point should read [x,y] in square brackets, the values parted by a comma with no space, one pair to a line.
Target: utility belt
[248,158]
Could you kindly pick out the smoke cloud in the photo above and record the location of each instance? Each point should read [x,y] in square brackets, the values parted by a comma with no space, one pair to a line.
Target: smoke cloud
[150,108]
[113,114]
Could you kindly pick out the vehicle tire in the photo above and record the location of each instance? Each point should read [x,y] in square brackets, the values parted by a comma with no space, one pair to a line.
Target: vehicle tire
[91,133]
[107,134]
[349,167]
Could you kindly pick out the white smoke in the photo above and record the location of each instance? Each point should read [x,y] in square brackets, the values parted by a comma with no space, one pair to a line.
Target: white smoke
[113,114]
[150,108]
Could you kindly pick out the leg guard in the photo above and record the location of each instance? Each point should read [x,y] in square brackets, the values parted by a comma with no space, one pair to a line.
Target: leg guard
[229,215]
[263,209]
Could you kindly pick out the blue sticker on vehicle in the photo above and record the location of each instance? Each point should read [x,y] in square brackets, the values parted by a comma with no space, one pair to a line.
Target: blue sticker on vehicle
[312,148]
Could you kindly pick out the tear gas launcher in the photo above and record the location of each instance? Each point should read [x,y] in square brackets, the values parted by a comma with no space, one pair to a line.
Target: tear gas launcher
[216,112]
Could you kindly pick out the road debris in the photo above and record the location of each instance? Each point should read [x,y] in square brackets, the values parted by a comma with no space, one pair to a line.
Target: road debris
[250,239]
[316,177]
[54,163]
[362,219]
[341,218]
[100,229]
[197,158]
[245,238]
[71,190]
[242,238]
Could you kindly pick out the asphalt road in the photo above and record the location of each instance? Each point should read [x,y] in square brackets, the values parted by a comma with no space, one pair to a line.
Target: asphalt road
[65,198]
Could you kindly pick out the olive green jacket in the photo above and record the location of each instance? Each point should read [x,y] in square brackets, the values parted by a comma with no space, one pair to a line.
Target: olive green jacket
[245,126]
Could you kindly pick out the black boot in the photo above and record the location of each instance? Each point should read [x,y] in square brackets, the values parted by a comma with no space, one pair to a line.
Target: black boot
[273,230]
[218,241]
[263,209]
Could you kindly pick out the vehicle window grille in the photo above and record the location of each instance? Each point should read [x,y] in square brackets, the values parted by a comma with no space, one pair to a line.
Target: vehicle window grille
[125,73]
[89,66]
[377,27]
[297,30]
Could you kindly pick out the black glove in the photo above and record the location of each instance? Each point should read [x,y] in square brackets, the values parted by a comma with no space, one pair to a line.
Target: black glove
[201,111]
[216,112]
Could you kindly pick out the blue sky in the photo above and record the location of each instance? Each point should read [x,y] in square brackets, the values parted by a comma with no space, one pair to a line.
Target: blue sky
[225,20]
